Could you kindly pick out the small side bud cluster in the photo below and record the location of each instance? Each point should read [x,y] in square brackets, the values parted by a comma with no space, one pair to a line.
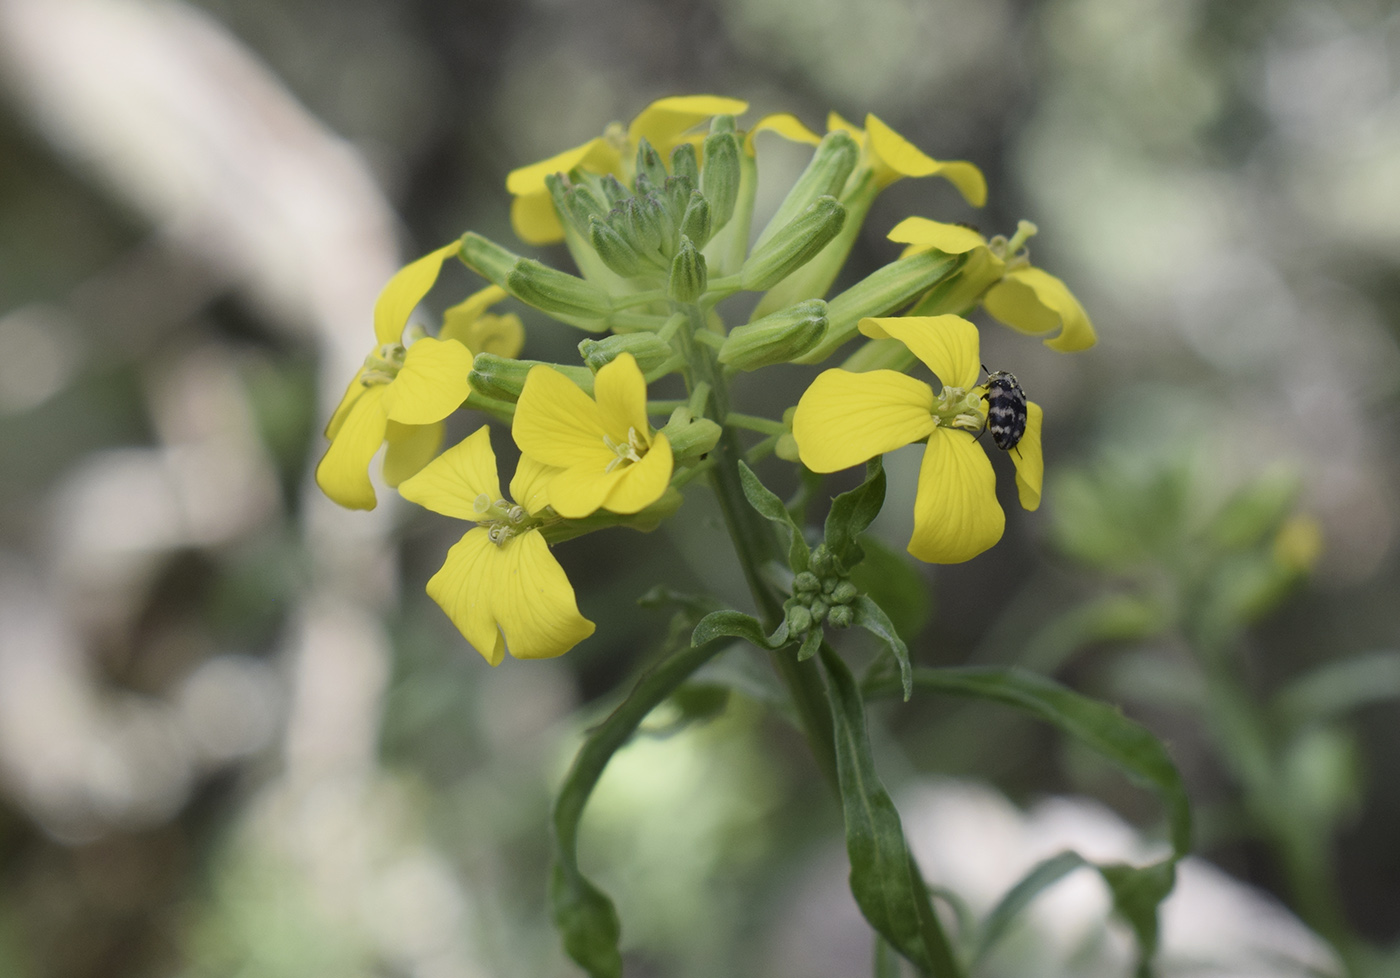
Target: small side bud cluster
[821,594]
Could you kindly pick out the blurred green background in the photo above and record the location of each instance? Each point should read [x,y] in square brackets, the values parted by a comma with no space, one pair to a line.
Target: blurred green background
[236,738]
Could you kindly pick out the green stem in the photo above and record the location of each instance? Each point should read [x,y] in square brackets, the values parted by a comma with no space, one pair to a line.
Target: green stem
[753,422]
[756,545]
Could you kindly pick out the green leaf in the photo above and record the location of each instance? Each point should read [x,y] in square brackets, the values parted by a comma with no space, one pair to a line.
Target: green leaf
[583,914]
[873,619]
[885,881]
[768,505]
[1335,688]
[660,596]
[895,584]
[810,642]
[851,512]
[1042,876]
[730,624]
[886,959]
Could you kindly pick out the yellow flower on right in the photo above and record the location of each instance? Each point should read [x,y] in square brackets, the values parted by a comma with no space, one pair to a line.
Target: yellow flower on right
[846,418]
[1026,298]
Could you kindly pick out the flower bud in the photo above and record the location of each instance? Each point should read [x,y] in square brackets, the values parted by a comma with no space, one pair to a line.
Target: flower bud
[688,275]
[844,593]
[822,561]
[882,292]
[615,252]
[719,180]
[553,291]
[684,164]
[614,191]
[641,217]
[832,162]
[793,246]
[818,609]
[503,378]
[486,258]
[696,221]
[779,338]
[649,352]
[690,437]
[841,616]
[806,583]
[651,171]
[799,620]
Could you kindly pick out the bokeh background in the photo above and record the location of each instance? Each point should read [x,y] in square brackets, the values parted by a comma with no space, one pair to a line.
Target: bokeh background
[236,739]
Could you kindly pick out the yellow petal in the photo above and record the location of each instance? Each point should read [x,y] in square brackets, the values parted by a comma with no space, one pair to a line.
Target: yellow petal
[901,158]
[470,324]
[464,312]
[666,120]
[835,123]
[581,490]
[347,401]
[409,447]
[530,485]
[956,513]
[343,473]
[643,482]
[533,218]
[534,602]
[1034,301]
[597,155]
[404,291]
[845,418]
[785,124]
[1029,462]
[432,383]
[460,482]
[621,393]
[556,423]
[951,239]
[947,344]
[464,588]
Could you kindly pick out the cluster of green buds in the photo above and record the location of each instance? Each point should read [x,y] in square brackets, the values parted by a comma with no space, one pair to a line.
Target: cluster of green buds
[822,593]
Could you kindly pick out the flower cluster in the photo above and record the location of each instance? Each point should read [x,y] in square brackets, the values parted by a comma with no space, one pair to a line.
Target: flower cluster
[658,216]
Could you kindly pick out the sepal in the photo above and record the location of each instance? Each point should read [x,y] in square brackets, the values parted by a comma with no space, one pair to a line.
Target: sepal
[502,378]
[793,246]
[780,338]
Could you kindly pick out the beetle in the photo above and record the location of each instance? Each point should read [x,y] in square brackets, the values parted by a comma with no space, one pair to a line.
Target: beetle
[1006,409]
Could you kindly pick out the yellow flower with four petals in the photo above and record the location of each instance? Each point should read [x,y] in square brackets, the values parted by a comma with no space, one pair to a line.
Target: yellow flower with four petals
[845,418]
[500,584]
[402,393]
[604,446]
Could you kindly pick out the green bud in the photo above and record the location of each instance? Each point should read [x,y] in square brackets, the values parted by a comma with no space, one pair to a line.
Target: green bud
[684,164]
[614,191]
[799,620]
[818,609]
[688,275]
[841,616]
[793,246]
[779,338]
[579,203]
[649,352]
[651,170]
[486,258]
[832,162]
[695,222]
[822,562]
[690,437]
[723,123]
[560,293]
[503,378]
[844,593]
[642,222]
[719,180]
[882,292]
[615,252]
[806,583]
[786,448]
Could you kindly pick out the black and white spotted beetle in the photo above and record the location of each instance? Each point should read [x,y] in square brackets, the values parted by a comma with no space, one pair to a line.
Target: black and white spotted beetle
[1006,409]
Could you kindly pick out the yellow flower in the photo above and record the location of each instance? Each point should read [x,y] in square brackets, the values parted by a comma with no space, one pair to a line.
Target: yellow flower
[609,455]
[500,585]
[665,123]
[891,157]
[470,324]
[1025,298]
[845,418]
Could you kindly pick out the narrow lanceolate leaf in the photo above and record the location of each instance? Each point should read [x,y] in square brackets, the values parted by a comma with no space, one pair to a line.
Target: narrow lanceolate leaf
[873,619]
[583,914]
[730,624]
[1137,891]
[768,505]
[851,512]
[885,881]
[1041,877]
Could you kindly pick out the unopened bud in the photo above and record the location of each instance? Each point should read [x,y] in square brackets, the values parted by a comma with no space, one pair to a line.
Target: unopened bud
[486,258]
[690,437]
[780,338]
[822,562]
[799,620]
[553,291]
[503,378]
[818,609]
[696,222]
[832,162]
[614,191]
[642,223]
[793,246]
[684,164]
[650,352]
[719,180]
[615,252]
[806,583]
[841,616]
[688,274]
[651,171]
[844,593]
